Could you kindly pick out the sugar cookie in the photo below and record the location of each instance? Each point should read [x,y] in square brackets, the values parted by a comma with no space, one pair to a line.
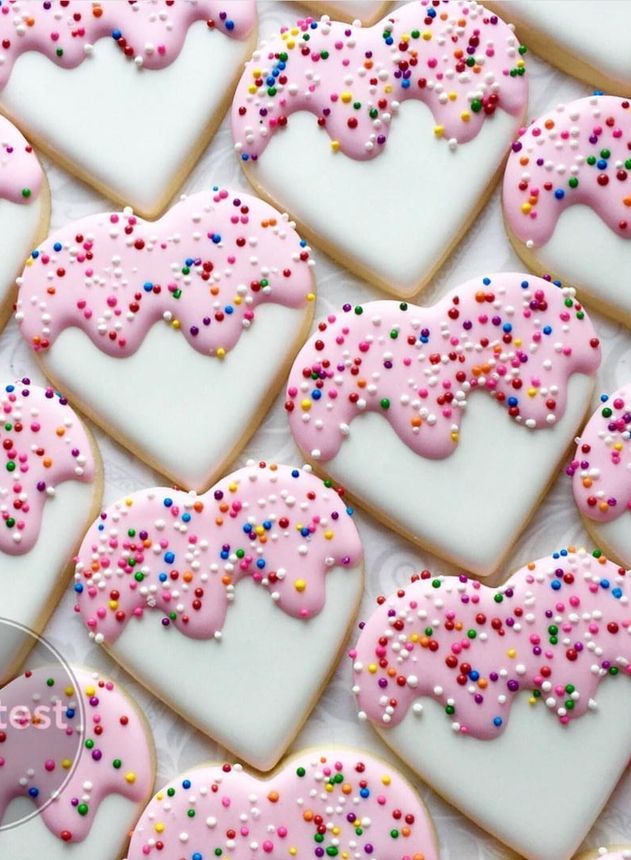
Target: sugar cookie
[336,802]
[139,88]
[412,120]
[232,606]
[377,396]
[567,199]
[50,492]
[601,473]
[96,732]
[492,694]
[166,333]
[586,40]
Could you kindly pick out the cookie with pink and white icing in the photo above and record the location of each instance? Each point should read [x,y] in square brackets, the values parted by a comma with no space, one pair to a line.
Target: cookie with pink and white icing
[567,198]
[601,474]
[231,606]
[448,423]
[24,209]
[331,802]
[166,333]
[494,694]
[373,137]
[589,41]
[76,748]
[140,87]
[50,491]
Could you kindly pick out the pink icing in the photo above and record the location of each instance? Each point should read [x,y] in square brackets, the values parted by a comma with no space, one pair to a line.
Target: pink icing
[112,754]
[183,554]
[204,268]
[151,32]
[576,153]
[473,648]
[601,469]
[21,173]
[515,336]
[43,444]
[373,809]
[459,59]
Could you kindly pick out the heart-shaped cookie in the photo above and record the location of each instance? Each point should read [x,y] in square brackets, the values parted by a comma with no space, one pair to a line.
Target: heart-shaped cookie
[167,333]
[49,493]
[324,803]
[601,472]
[585,40]
[514,727]
[377,396]
[413,118]
[232,606]
[24,210]
[366,11]
[139,88]
[567,199]
[77,748]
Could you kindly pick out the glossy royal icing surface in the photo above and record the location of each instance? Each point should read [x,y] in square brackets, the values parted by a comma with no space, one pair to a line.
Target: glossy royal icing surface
[44,444]
[21,174]
[94,732]
[338,802]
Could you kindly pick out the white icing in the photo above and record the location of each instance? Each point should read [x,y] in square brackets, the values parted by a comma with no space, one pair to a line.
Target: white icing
[177,408]
[363,9]
[397,214]
[471,506]
[115,818]
[18,231]
[615,536]
[30,579]
[251,690]
[538,787]
[585,253]
[598,34]
[94,120]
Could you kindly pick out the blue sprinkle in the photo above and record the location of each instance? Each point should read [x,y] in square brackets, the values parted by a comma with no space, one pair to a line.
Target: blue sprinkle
[524,285]
[497,721]
[260,563]
[245,156]
[474,675]
[216,238]
[556,584]
[169,557]
[167,502]
[486,281]
[70,713]
[267,525]
[78,587]
[559,193]
[224,554]
[364,792]
[405,84]
[57,246]
[147,286]
[601,164]
[304,531]
[617,593]
[186,518]
[33,792]
[229,25]
[512,401]
[604,398]
[186,783]
[247,528]
[163,577]
[507,327]
[604,583]
[116,34]
[547,329]
[295,473]
[316,394]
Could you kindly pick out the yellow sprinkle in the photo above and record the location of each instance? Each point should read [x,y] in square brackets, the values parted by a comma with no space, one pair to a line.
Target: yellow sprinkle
[159,827]
[252,89]
[69,691]
[257,73]
[328,534]
[176,324]
[29,262]
[305,405]
[455,436]
[129,503]
[291,44]
[329,787]
[532,392]
[90,691]
[520,64]
[335,145]
[233,487]
[386,779]
[130,777]
[300,585]
[259,530]
[618,446]
[465,116]
[517,341]
[439,130]
[336,831]
[346,97]
[511,653]
[414,637]
[66,763]
[160,795]
[293,851]
[237,300]
[294,31]
[532,701]
[372,668]
[526,208]
[113,604]
[427,35]
[311,297]
[388,88]
[405,37]
[452,96]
